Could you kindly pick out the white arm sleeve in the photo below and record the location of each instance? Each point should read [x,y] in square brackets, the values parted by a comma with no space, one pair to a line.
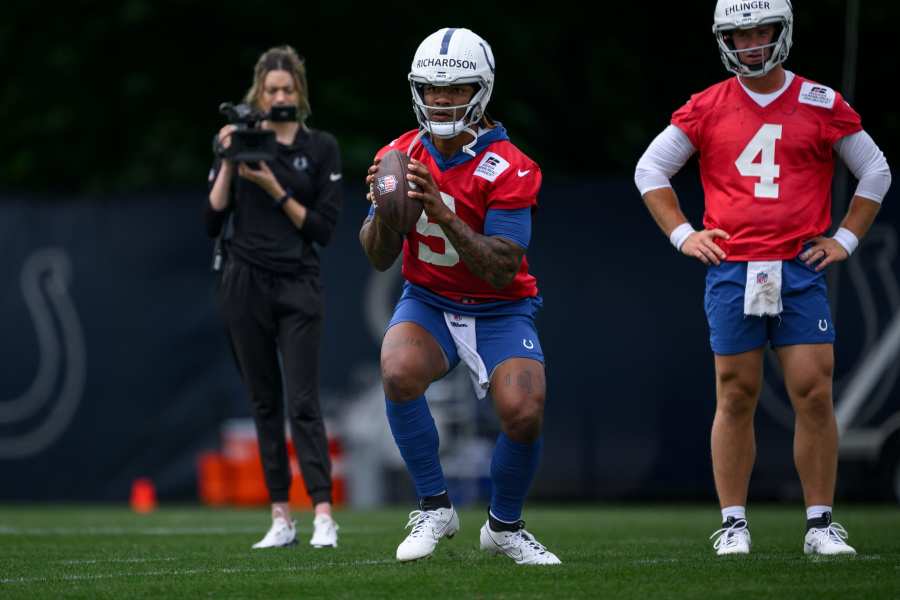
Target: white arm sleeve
[867,163]
[664,157]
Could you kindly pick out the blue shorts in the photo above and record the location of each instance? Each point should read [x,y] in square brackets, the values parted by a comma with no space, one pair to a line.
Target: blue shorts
[497,338]
[805,319]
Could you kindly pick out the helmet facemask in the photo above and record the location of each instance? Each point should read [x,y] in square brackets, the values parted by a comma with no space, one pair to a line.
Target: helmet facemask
[465,117]
[777,50]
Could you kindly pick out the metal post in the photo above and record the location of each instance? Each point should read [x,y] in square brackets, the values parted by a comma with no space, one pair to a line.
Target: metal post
[841,185]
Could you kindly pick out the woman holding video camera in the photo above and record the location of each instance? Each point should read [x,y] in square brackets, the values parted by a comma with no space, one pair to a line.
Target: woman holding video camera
[282,210]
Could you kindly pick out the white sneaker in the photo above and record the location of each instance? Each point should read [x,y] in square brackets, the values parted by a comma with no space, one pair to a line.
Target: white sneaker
[428,526]
[281,533]
[324,532]
[518,545]
[827,540]
[733,538]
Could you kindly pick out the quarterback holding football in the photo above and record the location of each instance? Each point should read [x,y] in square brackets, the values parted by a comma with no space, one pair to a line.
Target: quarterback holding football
[468,296]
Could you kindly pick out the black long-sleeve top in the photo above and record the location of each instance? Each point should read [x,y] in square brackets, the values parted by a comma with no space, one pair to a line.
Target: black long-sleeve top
[263,235]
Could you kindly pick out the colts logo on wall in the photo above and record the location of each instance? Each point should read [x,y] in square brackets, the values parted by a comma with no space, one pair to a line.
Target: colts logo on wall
[35,419]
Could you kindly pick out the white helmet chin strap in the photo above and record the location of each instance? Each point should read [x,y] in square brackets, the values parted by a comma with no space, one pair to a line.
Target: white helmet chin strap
[450,130]
[446,129]
[468,147]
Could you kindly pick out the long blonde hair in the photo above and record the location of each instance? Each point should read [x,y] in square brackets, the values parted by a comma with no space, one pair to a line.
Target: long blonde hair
[281,58]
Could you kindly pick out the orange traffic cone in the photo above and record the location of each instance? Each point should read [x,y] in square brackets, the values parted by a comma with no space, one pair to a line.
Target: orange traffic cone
[143,495]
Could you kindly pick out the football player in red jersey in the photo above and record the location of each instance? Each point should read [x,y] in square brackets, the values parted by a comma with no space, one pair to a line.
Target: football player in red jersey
[766,141]
[468,294]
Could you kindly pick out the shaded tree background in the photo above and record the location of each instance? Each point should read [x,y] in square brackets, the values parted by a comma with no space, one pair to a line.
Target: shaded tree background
[104,97]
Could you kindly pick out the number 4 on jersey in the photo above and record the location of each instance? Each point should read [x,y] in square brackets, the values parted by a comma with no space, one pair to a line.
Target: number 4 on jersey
[766,169]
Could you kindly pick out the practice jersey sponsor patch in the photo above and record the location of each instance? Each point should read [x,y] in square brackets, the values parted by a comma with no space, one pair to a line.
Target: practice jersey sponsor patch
[491,166]
[816,94]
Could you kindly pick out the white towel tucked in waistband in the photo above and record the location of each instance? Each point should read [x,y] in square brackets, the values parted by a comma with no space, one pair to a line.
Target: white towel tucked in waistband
[762,294]
[463,331]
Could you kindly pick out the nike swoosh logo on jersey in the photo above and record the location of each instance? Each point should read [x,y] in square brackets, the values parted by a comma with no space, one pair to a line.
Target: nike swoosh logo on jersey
[522,173]
[335,176]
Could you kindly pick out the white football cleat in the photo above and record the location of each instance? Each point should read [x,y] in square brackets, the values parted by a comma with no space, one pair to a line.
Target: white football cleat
[324,532]
[827,540]
[281,533]
[428,527]
[732,538]
[518,545]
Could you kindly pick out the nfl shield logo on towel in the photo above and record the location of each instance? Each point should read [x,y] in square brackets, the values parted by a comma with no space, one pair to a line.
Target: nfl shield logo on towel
[761,278]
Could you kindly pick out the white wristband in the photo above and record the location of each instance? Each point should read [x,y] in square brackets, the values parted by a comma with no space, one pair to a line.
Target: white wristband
[680,234]
[847,239]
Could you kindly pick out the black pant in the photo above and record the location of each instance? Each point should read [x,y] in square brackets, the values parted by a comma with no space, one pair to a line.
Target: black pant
[264,313]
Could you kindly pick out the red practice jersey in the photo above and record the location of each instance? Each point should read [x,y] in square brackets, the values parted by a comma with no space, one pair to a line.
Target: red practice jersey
[500,176]
[766,171]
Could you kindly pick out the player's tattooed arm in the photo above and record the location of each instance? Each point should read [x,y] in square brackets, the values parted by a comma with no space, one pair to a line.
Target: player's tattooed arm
[381,244]
[494,259]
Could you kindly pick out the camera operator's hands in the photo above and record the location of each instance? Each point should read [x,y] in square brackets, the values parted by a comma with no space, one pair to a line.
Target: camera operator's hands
[225,138]
[263,177]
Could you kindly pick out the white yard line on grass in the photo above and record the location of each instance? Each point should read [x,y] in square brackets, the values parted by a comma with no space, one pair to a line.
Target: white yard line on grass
[757,557]
[187,572]
[111,560]
[10,530]
[126,530]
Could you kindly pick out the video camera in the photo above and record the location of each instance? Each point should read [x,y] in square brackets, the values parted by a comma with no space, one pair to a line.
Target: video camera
[251,143]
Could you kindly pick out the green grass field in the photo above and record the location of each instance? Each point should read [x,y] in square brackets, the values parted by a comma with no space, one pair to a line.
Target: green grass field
[607,551]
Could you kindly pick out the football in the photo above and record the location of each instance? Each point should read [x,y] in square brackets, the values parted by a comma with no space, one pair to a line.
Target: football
[392,202]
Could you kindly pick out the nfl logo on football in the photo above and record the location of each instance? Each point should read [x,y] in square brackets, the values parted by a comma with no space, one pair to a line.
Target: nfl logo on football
[386,184]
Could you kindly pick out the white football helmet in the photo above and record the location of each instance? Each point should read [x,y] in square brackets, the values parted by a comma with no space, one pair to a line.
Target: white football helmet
[738,14]
[452,56]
